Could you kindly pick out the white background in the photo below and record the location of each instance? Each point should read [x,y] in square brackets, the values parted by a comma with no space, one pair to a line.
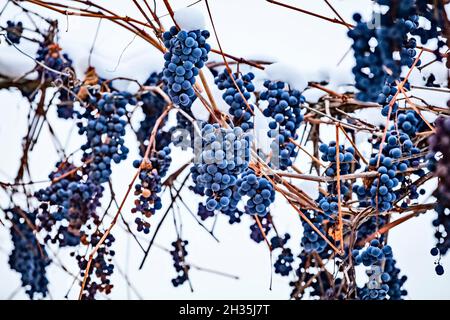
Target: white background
[250,28]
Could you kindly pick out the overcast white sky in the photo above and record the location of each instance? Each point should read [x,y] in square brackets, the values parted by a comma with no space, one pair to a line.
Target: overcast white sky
[251,28]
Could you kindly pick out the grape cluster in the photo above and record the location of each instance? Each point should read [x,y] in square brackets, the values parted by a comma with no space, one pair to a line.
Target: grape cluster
[382,189]
[71,91]
[51,56]
[379,66]
[153,105]
[283,264]
[223,154]
[75,202]
[439,145]
[373,254]
[395,282]
[346,158]
[374,290]
[369,227]
[148,189]
[347,164]
[236,95]
[369,75]
[65,106]
[392,34]
[179,254]
[203,212]
[435,21]
[398,154]
[233,213]
[278,241]
[255,231]
[385,281]
[410,123]
[311,241]
[259,190]
[385,285]
[148,200]
[322,284]
[101,266]
[105,128]
[28,257]
[161,160]
[285,111]
[386,96]
[14,31]
[329,205]
[187,53]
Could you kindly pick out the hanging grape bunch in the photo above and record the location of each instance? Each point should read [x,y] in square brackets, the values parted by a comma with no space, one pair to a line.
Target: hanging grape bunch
[193,141]
[286,117]
[28,257]
[224,155]
[188,52]
[104,129]
[237,93]
[14,31]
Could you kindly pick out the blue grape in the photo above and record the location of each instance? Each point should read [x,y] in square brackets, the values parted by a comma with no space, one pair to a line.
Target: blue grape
[105,129]
[398,145]
[240,110]
[278,241]
[179,254]
[439,270]
[187,53]
[439,142]
[50,55]
[283,264]
[101,266]
[311,240]
[256,234]
[14,31]
[395,282]
[347,164]
[223,156]
[435,22]
[72,202]
[285,111]
[385,281]
[259,190]
[346,158]
[29,257]
[373,254]
[149,187]
[203,212]
[393,49]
